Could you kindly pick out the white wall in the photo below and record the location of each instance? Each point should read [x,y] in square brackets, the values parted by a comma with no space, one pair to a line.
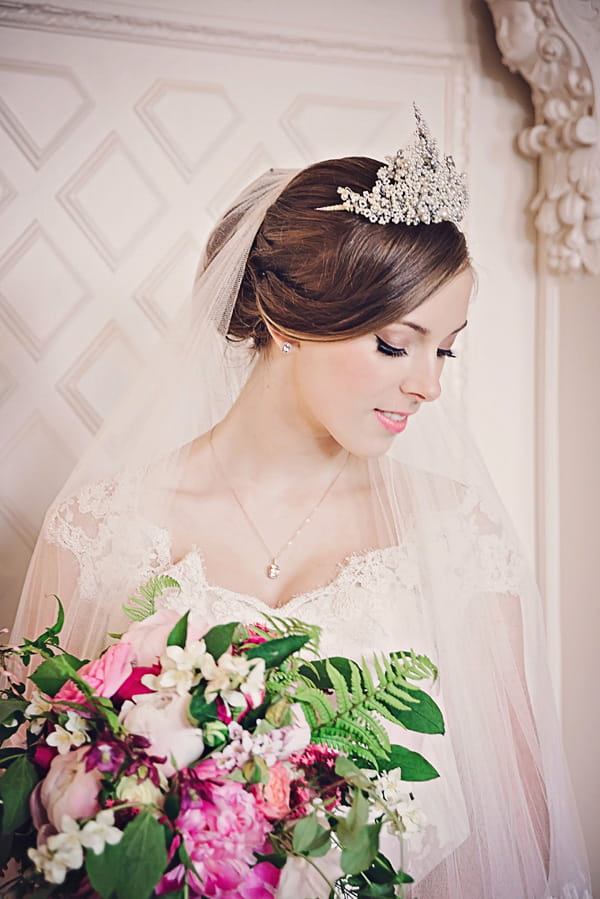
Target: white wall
[580,557]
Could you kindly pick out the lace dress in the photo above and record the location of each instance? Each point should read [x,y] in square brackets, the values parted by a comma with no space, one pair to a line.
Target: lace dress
[488,826]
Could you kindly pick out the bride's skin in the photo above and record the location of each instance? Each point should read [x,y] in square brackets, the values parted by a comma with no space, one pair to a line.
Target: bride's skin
[283,441]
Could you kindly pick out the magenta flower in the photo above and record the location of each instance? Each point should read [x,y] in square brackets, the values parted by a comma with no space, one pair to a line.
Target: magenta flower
[222,827]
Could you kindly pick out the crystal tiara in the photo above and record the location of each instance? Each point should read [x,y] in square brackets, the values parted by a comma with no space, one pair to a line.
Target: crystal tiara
[415,186]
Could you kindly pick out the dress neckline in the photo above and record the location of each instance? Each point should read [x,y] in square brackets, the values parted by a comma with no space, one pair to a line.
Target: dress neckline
[346,569]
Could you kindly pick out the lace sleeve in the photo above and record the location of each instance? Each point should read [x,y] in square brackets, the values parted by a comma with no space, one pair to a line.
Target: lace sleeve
[93,550]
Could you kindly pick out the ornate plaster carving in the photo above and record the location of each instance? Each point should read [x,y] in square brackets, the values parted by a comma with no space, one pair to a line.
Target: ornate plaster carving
[555,46]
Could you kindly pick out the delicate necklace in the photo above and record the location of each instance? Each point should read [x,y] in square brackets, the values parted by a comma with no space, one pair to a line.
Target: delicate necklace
[273,569]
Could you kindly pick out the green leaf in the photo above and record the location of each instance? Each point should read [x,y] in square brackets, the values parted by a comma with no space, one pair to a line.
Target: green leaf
[102,869]
[305,832]
[16,785]
[178,635]
[60,619]
[317,671]
[8,707]
[201,710]
[412,765]
[218,639]
[276,651]
[277,859]
[424,717]
[358,854]
[52,674]
[6,846]
[141,858]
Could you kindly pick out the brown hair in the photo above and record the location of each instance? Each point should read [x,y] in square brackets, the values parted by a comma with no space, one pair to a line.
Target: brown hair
[333,275]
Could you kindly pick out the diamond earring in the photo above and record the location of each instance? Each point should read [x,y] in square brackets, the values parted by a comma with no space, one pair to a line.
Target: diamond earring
[286,347]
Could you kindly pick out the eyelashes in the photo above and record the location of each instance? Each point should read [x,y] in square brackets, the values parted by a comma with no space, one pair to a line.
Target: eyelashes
[388,350]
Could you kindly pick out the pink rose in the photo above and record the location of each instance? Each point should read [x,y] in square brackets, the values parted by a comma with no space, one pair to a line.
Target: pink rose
[67,789]
[162,719]
[105,675]
[274,796]
[149,637]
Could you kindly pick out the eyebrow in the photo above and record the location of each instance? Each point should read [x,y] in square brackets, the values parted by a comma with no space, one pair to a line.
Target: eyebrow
[425,331]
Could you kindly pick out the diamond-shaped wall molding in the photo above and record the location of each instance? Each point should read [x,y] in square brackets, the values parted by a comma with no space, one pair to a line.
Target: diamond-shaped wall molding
[188,119]
[33,466]
[112,200]
[253,165]
[7,192]
[321,127]
[93,384]
[8,384]
[37,126]
[170,283]
[39,290]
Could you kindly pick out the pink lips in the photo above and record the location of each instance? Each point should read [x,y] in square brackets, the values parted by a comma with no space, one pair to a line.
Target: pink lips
[392,425]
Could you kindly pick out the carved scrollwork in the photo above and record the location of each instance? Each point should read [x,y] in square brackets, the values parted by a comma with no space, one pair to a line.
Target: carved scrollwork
[555,46]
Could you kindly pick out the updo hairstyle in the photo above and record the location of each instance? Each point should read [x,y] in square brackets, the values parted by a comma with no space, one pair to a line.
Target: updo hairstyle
[333,275]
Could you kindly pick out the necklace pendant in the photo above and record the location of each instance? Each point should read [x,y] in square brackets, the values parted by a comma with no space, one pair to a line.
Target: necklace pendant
[273,570]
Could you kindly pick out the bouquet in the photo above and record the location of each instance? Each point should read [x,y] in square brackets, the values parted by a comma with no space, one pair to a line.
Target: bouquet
[216,762]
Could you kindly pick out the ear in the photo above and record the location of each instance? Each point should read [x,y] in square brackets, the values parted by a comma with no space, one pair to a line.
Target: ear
[281,343]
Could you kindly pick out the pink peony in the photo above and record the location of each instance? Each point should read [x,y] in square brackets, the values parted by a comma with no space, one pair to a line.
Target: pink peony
[149,637]
[105,675]
[162,719]
[67,789]
[274,796]
[221,830]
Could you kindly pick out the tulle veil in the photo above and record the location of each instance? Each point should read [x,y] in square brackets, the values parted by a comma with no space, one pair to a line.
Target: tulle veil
[503,819]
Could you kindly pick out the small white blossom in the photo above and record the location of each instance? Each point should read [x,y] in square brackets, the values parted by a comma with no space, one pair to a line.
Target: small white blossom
[180,667]
[66,846]
[412,816]
[62,852]
[239,681]
[61,739]
[391,788]
[96,833]
[53,871]
[39,705]
[78,727]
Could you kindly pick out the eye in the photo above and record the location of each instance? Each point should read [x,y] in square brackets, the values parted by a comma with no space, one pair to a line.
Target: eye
[446,353]
[389,350]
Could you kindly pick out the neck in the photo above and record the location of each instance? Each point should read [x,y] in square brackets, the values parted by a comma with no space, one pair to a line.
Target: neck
[267,435]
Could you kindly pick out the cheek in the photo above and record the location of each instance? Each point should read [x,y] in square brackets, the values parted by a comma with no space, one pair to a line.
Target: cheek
[342,378]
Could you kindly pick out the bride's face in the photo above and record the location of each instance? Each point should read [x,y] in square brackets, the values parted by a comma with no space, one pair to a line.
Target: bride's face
[362,392]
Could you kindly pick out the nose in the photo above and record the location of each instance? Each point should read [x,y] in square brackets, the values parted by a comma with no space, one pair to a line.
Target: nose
[422,380]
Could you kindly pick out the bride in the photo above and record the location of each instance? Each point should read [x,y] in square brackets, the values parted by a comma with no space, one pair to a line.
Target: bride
[282,453]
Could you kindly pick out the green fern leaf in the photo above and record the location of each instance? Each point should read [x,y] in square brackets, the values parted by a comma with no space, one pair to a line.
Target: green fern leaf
[342,694]
[352,750]
[145,605]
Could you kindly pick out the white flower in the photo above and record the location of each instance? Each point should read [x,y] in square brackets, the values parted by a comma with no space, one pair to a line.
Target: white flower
[73,734]
[39,705]
[77,726]
[412,816]
[239,681]
[391,788]
[53,871]
[180,666]
[62,852]
[66,846]
[61,739]
[96,833]
[140,792]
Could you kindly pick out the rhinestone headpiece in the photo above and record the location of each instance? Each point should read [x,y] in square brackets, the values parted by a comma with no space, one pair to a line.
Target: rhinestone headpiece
[415,186]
